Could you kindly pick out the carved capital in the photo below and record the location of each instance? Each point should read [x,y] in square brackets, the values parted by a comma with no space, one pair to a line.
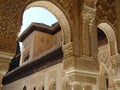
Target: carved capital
[68,50]
[68,55]
[88,12]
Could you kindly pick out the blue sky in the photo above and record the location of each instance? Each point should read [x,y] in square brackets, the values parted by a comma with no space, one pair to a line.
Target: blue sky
[37,14]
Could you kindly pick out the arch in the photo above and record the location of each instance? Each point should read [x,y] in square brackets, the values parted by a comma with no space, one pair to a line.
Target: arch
[24,88]
[52,85]
[103,77]
[66,84]
[41,86]
[34,88]
[49,5]
[111,37]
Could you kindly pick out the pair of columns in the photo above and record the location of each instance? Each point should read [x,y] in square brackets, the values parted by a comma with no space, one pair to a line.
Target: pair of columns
[76,86]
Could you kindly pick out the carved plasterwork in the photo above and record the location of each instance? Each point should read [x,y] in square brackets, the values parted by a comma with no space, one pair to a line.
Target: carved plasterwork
[106,10]
[88,17]
[115,66]
[82,63]
[110,62]
[82,78]
[68,55]
[90,3]
[103,55]
[8,25]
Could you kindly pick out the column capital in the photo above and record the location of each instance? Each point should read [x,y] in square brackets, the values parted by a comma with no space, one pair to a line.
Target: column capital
[67,46]
[68,55]
[88,12]
[6,56]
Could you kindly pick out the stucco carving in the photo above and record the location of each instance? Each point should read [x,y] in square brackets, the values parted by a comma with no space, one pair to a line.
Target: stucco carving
[88,17]
[68,55]
[8,25]
[106,10]
[11,21]
[103,55]
[115,60]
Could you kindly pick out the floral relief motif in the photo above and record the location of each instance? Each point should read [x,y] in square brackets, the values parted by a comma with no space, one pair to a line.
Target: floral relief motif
[103,55]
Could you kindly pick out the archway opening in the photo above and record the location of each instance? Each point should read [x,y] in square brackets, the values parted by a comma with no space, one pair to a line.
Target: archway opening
[59,32]
[104,79]
[57,12]
[54,86]
[102,39]
[38,15]
[103,46]
[106,48]
[111,37]
[24,88]
[34,88]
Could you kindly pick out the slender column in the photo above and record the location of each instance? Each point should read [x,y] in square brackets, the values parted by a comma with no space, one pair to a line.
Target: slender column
[76,86]
[4,60]
[88,30]
[85,34]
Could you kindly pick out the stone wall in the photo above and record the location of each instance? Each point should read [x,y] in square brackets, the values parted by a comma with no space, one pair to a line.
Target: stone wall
[44,78]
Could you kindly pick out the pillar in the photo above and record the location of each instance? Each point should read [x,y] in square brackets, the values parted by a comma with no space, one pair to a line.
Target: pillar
[89,32]
[82,68]
[4,64]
